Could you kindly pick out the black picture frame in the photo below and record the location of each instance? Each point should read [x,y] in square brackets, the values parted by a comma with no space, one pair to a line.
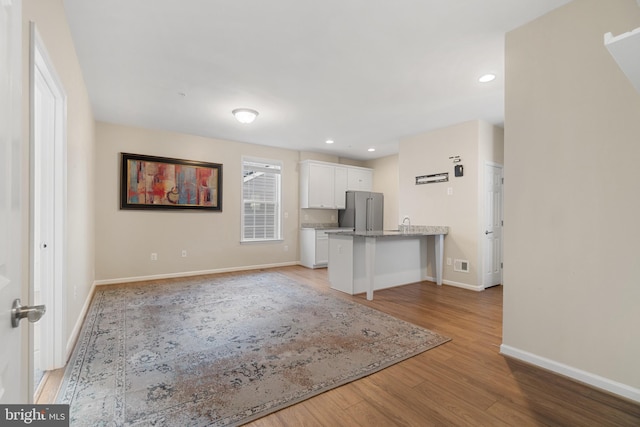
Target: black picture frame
[164,183]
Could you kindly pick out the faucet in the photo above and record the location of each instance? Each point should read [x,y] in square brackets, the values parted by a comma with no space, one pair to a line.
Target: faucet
[406,224]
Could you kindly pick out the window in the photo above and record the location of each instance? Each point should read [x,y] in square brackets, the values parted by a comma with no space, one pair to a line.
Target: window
[261,183]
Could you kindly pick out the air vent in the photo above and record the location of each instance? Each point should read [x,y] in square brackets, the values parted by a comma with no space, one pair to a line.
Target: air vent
[461,265]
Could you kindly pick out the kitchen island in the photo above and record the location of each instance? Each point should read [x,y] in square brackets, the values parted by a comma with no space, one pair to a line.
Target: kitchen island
[364,261]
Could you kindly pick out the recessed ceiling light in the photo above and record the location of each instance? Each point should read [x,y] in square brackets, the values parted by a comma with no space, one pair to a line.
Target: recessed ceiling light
[329,141]
[371,149]
[487,78]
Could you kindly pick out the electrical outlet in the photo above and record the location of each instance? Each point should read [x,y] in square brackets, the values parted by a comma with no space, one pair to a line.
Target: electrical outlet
[448,261]
[286,215]
[449,191]
[184,253]
[154,256]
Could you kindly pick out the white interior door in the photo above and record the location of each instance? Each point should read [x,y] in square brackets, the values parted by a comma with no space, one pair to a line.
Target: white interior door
[48,178]
[492,230]
[12,381]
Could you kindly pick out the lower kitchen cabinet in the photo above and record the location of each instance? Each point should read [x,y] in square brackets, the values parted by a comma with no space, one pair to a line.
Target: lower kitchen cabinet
[314,247]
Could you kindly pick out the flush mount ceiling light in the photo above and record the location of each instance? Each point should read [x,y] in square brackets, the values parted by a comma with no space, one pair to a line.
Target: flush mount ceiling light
[487,78]
[371,150]
[329,141]
[245,115]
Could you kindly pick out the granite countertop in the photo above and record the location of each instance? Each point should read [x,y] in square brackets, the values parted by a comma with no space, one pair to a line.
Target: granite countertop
[414,231]
[319,226]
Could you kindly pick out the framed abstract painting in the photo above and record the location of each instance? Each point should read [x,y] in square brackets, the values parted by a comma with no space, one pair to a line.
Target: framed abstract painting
[150,182]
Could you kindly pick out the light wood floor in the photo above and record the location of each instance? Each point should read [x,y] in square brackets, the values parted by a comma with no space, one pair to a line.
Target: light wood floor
[463,382]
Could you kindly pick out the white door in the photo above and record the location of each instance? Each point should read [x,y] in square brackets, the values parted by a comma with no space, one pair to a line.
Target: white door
[12,382]
[48,177]
[492,226]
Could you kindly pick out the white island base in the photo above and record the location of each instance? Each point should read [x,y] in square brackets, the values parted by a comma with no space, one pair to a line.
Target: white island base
[369,261]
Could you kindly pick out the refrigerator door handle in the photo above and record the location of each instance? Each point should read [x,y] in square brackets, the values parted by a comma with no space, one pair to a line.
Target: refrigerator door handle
[367,213]
[370,214]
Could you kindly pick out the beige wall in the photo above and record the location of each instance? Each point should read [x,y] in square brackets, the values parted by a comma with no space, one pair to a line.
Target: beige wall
[385,180]
[125,239]
[53,28]
[429,204]
[572,129]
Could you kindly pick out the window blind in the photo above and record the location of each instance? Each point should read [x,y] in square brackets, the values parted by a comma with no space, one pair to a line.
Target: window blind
[261,209]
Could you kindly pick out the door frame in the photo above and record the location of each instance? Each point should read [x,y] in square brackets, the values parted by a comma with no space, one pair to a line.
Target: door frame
[53,328]
[13,371]
[484,221]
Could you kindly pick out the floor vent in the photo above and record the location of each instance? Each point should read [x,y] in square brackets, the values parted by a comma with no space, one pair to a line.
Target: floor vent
[461,265]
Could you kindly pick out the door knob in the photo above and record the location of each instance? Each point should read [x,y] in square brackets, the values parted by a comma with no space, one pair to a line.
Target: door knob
[19,311]
[488,232]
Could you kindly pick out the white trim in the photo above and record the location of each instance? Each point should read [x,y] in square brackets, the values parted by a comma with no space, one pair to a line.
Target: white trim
[79,322]
[588,378]
[476,288]
[280,172]
[190,273]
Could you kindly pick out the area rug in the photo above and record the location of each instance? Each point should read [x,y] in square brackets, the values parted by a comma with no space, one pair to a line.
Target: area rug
[223,350]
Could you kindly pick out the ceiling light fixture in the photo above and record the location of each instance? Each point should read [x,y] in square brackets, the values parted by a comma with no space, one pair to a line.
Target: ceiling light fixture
[371,149]
[487,78]
[245,115]
[329,141]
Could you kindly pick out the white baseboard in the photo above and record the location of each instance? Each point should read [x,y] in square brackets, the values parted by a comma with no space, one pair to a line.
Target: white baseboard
[190,273]
[79,321]
[593,380]
[476,288]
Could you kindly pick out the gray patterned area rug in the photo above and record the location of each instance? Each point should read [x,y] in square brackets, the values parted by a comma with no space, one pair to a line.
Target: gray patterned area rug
[223,350]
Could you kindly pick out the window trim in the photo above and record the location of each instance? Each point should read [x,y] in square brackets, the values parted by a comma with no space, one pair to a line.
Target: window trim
[279,237]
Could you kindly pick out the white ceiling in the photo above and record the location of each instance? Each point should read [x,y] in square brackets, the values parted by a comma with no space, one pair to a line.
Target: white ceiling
[364,73]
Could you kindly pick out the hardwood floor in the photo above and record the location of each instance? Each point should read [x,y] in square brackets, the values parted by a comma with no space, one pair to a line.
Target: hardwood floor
[463,382]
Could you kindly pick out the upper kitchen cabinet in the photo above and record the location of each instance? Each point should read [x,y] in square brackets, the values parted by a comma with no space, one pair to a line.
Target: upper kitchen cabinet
[340,187]
[317,185]
[323,185]
[360,179]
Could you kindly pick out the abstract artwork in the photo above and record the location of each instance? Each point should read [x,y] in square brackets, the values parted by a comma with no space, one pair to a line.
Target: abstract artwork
[150,182]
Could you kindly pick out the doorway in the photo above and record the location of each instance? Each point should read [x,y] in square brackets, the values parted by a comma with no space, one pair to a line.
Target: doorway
[47,219]
[492,225]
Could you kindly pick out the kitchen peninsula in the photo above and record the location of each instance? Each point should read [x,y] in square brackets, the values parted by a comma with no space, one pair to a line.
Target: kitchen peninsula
[364,261]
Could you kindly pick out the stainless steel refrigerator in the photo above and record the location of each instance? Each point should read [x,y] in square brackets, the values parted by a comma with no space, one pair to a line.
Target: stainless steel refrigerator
[363,211]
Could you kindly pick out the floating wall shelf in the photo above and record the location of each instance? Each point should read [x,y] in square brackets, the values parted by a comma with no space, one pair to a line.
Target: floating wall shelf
[625,49]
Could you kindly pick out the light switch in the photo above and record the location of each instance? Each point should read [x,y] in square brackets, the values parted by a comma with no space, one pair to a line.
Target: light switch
[449,191]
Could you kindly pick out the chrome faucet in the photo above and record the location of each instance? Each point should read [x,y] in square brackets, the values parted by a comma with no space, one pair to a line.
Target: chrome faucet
[406,224]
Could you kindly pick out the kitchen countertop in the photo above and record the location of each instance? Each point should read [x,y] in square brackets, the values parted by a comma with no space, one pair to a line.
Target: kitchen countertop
[320,226]
[414,231]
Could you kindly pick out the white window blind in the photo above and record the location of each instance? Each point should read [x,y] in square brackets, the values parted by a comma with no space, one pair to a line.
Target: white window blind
[261,183]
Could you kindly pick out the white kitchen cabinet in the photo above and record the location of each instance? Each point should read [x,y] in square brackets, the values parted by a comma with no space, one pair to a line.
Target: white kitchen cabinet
[314,247]
[323,185]
[360,179]
[340,186]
